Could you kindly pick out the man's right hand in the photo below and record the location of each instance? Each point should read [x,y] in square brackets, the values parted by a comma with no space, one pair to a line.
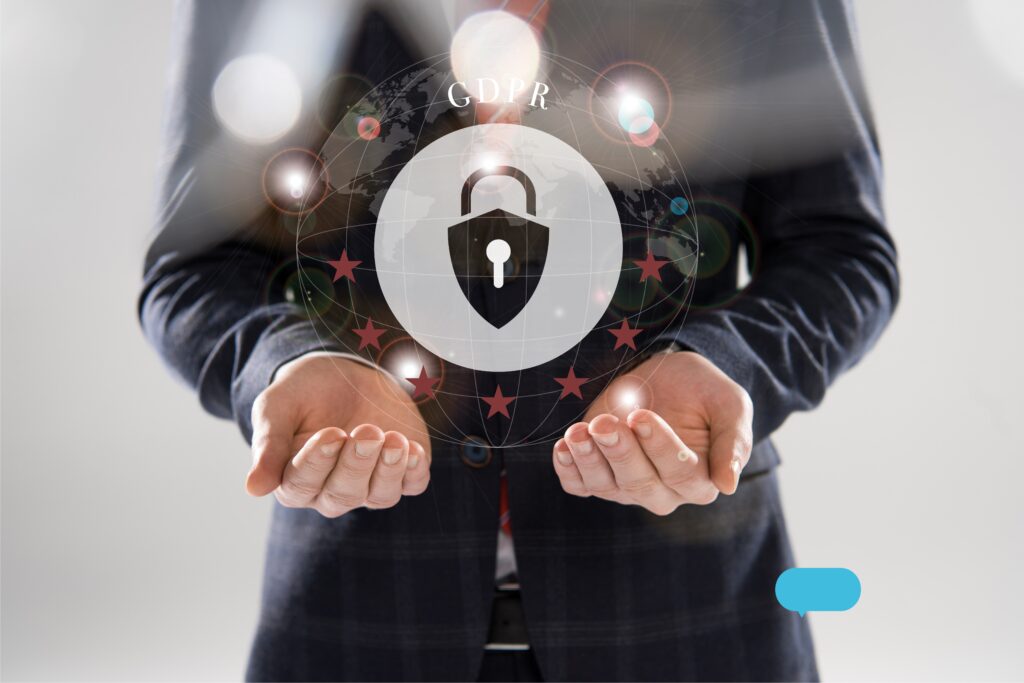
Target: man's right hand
[333,435]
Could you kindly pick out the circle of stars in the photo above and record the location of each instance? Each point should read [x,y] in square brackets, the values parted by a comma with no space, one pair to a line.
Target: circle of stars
[497,404]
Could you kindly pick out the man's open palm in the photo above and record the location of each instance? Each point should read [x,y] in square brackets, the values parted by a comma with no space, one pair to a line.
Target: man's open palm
[686,444]
[334,435]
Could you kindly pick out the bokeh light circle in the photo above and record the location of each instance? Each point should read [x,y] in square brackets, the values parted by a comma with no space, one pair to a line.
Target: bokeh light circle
[715,246]
[721,229]
[257,98]
[306,285]
[630,393]
[495,45]
[630,97]
[648,137]
[295,181]
[636,115]
[404,357]
[368,128]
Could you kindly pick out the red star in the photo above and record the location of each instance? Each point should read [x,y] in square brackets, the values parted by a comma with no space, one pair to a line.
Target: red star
[571,384]
[650,267]
[369,335]
[625,335]
[343,267]
[423,384]
[498,403]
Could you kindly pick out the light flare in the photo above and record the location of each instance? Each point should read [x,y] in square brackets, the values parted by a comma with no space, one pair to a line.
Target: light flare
[257,98]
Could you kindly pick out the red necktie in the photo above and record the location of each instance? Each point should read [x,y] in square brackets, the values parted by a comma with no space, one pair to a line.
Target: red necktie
[504,520]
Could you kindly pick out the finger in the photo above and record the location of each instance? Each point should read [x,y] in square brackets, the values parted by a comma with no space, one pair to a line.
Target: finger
[677,465]
[568,473]
[634,472]
[348,484]
[593,468]
[386,480]
[273,426]
[417,470]
[305,474]
[731,441]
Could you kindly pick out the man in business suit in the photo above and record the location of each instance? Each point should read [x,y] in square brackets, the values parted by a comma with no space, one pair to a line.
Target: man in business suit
[646,542]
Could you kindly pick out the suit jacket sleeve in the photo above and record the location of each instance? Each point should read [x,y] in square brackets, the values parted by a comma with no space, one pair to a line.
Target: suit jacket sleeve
[828,281]
[205,304]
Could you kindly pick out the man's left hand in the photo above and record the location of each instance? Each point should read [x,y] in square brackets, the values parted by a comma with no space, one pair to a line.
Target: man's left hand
[688,440]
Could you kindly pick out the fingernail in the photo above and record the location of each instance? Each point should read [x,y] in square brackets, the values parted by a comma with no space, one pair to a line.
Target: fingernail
[564,457]
[685,456]
[609,439]
[643,430]
[582,447]
[413,461]
[391,455]
[331,449]
[735,465]
[367,448]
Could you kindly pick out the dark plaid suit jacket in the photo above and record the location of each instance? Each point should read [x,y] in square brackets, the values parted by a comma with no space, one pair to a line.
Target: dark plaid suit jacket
[610,591]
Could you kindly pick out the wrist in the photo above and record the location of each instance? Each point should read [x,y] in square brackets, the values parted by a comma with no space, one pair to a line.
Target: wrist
[657,348]
[360,367]
[287,368]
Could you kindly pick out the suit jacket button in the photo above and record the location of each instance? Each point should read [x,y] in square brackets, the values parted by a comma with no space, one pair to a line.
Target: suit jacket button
[475,452]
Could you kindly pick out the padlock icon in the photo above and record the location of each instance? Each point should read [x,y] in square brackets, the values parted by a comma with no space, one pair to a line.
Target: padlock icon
[498,257]
[558,278]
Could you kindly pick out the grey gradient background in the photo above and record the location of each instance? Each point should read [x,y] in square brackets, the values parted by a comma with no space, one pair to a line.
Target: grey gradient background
[130,551]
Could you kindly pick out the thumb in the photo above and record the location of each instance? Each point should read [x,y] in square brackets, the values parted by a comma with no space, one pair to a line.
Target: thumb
[731,442]
[274,426]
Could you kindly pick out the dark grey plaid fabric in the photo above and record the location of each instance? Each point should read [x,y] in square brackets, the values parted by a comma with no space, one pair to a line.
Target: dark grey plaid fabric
[610,592]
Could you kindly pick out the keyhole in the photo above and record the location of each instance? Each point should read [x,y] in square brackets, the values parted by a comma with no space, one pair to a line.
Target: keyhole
[498,252]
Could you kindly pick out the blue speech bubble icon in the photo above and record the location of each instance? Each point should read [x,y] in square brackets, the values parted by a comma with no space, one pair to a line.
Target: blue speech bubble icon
[817,589]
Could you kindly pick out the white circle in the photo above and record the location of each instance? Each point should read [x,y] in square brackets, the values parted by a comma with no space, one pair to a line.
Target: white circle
[257,98]
[415,270]
[498,251]
[498,46]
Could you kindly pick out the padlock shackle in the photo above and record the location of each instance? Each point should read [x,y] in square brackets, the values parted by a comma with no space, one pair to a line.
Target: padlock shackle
[511,172]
